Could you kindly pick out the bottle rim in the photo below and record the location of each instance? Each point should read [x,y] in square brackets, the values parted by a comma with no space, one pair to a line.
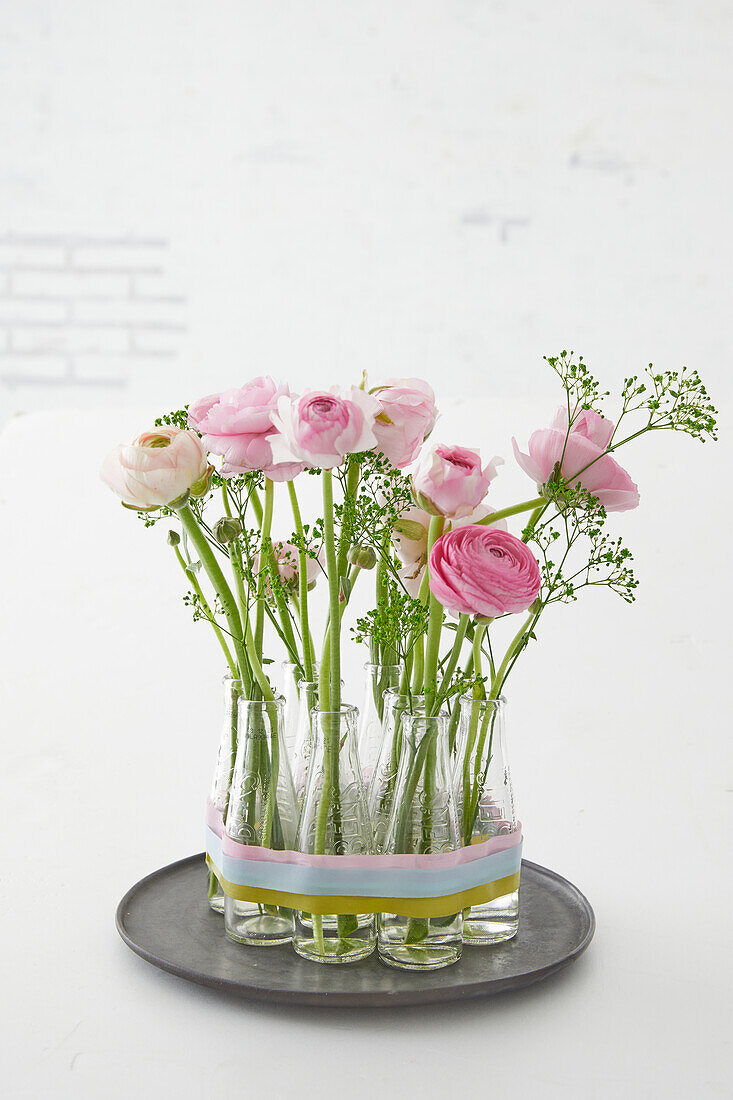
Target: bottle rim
[500,700]
[346,709]
[244,703]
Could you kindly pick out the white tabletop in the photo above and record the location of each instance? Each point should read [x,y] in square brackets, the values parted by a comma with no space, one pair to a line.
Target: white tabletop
[452,190]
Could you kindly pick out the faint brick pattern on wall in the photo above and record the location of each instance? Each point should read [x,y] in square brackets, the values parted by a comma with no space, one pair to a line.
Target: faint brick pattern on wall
[84,311]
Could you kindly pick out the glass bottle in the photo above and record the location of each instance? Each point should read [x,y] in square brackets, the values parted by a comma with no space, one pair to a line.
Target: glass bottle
[291,693]
[485,806]
[221,782]
[300,758]
[378,679]
[423,821]
[262,811]
[384,777]
[334,821]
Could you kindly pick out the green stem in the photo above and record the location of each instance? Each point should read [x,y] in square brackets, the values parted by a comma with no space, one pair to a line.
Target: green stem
[330,678]
[308,654]
[418,665]
[308,635]
[235,690]
[418,643]
[406,674]
[225,499]
[498,680]
[432,653]
[353,471]
[533,520]
[262,571]
[286,626]
[381,591]
[262,760]
[254,498]
[218,581]
[329,686]
[504,513]
[403,830]
[235,557]
[479,774]
[455,654]
[193,581]
[271,804]
[478,694]
[456,711]
[257,671]
[435,625]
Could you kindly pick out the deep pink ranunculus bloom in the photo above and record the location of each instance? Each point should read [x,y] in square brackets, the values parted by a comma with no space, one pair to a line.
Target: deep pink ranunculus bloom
[322,427]
[478,570]
[450,481]
[584,461]
[410,540]
[237,424]
[406,419]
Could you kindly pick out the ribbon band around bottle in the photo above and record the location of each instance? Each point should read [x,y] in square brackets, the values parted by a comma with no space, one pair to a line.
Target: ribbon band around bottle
[434,885]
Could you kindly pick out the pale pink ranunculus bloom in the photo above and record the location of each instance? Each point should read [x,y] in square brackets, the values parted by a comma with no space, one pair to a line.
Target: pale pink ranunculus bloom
[288,566]
[157,468]
[450,481]
[237,424]
[410,540]
[321,427]
[582,451]
[406,419]
[478,570]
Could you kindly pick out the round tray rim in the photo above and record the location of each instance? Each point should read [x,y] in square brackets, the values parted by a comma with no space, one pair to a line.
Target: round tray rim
[364,998]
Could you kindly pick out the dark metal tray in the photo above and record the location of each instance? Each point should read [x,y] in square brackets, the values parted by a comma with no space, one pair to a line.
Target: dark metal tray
[165,918]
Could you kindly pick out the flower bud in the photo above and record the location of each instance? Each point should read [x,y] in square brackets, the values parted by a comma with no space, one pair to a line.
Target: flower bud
[226,529]
[173,538]
[362,555]
[344,589]
[411,529]
[450,481]
[201,487]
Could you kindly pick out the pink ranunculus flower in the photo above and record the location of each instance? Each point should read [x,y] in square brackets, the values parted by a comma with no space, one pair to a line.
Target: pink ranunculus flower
[584,461]
[237,424]
[157,468]
[323,426]
[410,540]
[450,481]
[288,563]
[478,570]
[288,566]
[406,419]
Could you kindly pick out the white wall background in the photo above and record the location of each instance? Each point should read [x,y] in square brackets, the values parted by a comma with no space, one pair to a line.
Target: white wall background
[191,194]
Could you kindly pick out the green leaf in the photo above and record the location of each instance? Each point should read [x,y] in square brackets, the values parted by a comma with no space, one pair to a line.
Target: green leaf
[418,929]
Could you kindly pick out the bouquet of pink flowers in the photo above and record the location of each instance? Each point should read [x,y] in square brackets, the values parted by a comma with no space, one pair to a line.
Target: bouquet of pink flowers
[400,829]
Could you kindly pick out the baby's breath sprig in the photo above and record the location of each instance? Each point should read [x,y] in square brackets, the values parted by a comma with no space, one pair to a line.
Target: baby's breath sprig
[582,389]
[384,494]
[176,419]
[393,624]
[673,400]
[605,561]
[204,610]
